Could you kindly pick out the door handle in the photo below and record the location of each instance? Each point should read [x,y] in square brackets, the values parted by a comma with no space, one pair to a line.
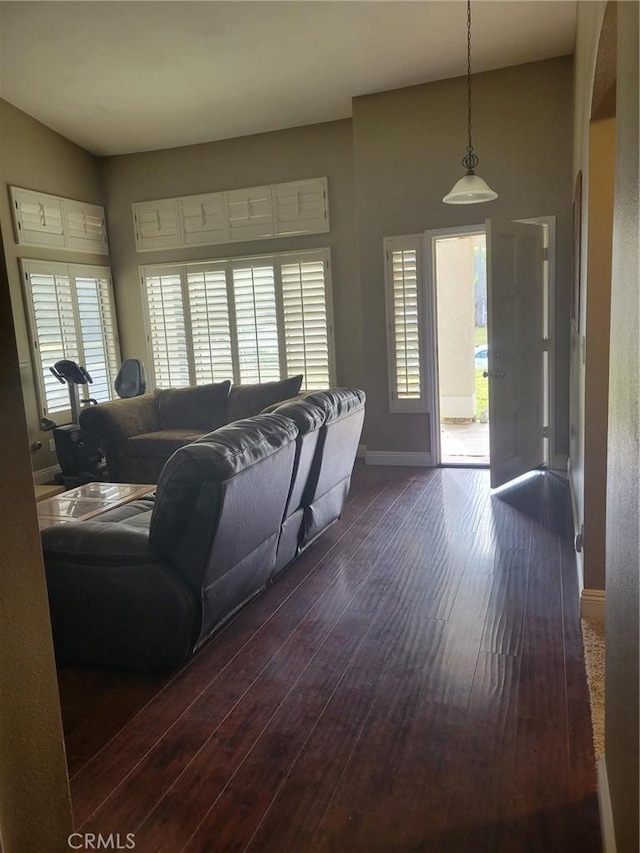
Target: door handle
[497,374]
[486,374]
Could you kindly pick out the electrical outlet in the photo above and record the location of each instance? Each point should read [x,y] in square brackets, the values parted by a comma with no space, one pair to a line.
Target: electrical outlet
[52,445]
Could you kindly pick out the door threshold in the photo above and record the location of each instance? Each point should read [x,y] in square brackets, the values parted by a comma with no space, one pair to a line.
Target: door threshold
[484,465]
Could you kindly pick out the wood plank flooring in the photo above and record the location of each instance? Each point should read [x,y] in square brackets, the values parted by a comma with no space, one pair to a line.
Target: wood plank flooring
[414,682]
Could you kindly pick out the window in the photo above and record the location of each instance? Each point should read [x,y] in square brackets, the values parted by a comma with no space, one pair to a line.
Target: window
[72,316]
[255,319]
[252,213]
[48,220]
[405,324]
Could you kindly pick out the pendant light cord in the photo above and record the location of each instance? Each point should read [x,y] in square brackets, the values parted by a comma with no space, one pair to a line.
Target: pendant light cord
[470,161]
[470,147]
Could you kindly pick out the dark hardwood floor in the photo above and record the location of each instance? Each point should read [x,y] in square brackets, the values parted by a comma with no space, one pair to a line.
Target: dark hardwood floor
[414,682]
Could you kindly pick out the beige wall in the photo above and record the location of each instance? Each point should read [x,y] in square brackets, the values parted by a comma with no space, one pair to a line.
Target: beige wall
[35,808]
[34,157]
[306,152]
[408,145]
[623,504]
[596,376]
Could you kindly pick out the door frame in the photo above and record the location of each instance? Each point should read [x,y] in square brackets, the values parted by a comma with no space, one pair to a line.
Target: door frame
[431,328]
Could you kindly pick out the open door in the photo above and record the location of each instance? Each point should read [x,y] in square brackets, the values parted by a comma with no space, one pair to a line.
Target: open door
[515,258]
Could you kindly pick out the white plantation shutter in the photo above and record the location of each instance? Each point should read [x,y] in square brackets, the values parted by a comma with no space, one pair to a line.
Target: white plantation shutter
[250,213]
[55,334]
[305,308]
[86,228]
[301,207]
[209,320]
[254,296]
[72,317]
[256,319]
[204,219]
[97,325]
[38,218]
[276,210]
[48,220]
[167,328]
[156,225]
[404,292]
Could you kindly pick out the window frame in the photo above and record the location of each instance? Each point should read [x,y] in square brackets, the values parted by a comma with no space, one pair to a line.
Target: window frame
[73,272]
[277,260]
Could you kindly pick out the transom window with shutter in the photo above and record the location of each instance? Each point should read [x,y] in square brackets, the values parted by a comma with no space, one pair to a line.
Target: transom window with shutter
[255,319]
[72,316]
[405,323]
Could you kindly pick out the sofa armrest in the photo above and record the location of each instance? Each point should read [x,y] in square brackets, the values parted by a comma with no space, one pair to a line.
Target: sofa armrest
[120,419]
[117,421]
[94,542]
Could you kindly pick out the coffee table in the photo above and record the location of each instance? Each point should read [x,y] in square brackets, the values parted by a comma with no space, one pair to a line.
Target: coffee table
[87,501]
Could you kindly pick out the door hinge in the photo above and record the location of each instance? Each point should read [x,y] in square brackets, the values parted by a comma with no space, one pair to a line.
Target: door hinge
[545,432]
[545,344]
[545,253]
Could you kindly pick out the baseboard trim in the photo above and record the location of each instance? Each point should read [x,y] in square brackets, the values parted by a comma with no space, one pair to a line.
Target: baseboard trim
[559,462]
[592,604]
[45,475]
[392,457]
[606,813]
[362,451]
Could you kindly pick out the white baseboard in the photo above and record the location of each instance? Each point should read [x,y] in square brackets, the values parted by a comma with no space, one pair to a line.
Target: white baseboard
[606,814]
[559,462]
[393,457]
[592,604]
[45,475]
[362,451]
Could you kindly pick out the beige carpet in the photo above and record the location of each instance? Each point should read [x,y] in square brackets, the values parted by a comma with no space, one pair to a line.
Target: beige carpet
[593,636]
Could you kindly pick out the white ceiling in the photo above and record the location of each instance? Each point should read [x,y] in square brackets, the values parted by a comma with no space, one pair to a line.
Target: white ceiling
[118,77]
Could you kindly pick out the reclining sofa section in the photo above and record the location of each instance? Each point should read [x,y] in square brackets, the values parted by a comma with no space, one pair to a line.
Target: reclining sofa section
[144,585]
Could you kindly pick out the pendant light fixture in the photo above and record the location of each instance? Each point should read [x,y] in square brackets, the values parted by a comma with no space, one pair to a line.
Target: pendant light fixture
[470,189]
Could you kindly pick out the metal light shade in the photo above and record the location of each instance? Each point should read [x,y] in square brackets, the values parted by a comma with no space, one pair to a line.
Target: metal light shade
[471,189]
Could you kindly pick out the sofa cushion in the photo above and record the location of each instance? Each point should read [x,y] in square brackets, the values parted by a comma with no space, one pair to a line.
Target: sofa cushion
[160,444]
[200,407]
[245,401]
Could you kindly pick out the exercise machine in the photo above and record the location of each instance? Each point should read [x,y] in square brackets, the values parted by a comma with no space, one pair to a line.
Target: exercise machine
[79,453]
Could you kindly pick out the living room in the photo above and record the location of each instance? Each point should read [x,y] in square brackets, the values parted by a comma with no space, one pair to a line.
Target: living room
[387,167]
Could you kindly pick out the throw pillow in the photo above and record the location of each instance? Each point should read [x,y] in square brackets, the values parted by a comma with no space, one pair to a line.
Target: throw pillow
[245,401]
[201,407]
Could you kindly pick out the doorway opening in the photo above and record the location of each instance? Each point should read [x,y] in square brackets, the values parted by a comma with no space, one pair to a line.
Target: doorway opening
[468,428]
[460,285]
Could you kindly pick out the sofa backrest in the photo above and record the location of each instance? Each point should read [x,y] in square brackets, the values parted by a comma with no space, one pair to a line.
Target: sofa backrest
[248,400]
[309,418]
[198,407]
[218,510]
[330,477]
[344,417]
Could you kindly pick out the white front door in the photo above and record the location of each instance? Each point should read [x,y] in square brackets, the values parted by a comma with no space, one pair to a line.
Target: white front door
[515,261]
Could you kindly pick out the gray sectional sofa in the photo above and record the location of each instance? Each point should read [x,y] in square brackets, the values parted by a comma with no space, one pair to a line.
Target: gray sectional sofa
[139,434]
[146,584]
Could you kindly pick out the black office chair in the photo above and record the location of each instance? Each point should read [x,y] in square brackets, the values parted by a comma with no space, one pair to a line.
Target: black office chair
[131,381]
